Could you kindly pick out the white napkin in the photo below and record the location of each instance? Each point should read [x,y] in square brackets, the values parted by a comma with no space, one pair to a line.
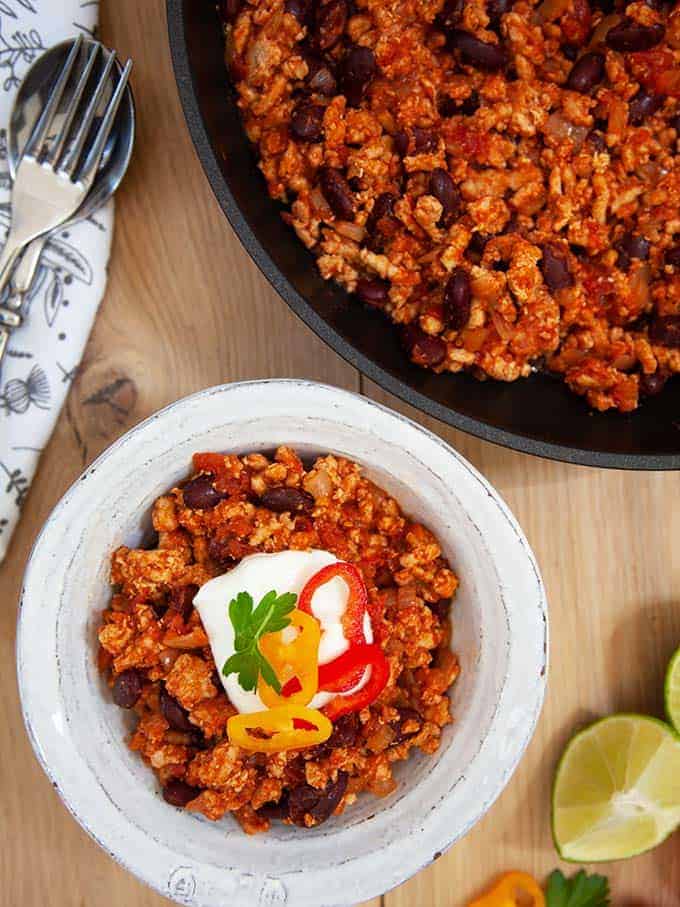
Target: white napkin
[44,354]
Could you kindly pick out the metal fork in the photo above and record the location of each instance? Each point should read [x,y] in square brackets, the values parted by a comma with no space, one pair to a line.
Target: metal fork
[52,181]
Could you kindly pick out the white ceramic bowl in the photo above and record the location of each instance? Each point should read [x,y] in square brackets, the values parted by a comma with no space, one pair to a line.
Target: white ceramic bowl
[500,634]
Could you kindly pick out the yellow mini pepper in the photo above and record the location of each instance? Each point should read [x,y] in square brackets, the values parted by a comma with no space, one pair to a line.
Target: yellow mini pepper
[295,662]
[287,727]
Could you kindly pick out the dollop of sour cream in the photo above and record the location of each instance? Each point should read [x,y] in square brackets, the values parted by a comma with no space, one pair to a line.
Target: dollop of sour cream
[285,571]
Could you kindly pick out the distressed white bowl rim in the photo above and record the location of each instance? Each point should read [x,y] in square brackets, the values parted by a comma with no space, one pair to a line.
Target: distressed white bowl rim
[364,875]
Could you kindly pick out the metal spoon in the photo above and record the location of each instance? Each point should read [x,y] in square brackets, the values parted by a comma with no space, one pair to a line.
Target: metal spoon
[117,154]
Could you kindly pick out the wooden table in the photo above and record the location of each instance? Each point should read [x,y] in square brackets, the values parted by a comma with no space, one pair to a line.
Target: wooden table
[186,308]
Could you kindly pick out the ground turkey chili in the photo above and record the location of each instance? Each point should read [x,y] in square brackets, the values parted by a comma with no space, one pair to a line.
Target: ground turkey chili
[499,178]
[156,655]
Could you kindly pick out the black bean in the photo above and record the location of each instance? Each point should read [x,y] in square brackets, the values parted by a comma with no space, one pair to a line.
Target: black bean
[306,122]
[337,193]
[643,105]
[555,268]
[201,494]
[179,793]
[457,300]
[444,190]
[570,51]
[597,140]
[373,292]
[672,257]
[274,811]
[181,599]
[424,349]
[358,68]
[470,104]
[218,549]
[441,608]
[476,247]
[477,53]
[629,36]
[447,106]
[127,688]
[229,9]
[282,499]
[329,24]
[173,712]
[319,804]
[401,143]
[674,123]
[651,385]
[665,330]
[586,73]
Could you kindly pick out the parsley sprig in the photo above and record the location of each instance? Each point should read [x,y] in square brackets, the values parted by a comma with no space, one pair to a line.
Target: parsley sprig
[249,626]
[581,890]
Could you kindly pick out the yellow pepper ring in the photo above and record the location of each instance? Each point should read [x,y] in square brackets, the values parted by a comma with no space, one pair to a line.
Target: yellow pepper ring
[511,890]
[287,727]
[295,662]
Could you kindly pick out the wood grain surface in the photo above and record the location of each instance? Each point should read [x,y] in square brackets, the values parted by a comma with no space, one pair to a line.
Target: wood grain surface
[186,308]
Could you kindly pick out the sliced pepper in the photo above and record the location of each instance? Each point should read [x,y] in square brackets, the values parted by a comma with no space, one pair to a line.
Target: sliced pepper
[511,890]
[352,662]
[295,663]
[353,617]
[287,727]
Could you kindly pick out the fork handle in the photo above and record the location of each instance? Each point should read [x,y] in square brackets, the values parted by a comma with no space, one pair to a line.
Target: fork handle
[25,270]
[12,249]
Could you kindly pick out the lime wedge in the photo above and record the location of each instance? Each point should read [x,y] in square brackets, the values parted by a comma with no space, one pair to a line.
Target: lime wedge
[672,691]
[617,789]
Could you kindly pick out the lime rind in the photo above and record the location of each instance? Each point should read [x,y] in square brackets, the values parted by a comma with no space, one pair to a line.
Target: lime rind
[616,792]
[672,691]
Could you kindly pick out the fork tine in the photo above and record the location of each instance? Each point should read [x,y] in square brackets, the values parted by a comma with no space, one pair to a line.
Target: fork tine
[57,146]
[42,127]
[72,157]
[94,155]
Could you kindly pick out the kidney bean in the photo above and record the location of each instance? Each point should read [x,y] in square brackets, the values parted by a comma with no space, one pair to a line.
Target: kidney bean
[631,245]
[444,190]
[406,715]
[555,269]
[597,140]
[450,16]
[495,10]
[423,348]
[201,494]
[173,712]
[643,105]
[490,57]
[229,9]
[358,68]
[319,804]
[672,257]
[127,688]
[282,499]
[381,219]
[586,73]
[306,122]
[179,793]
[457,300]
[373,292]
[665,330]
[329,24]
[297,8]
[320,78]
[337,193]
[651,385]
[181,599]
[629,36]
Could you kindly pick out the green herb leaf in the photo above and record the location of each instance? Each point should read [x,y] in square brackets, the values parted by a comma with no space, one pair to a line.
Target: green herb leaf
[582,890]
[249,627]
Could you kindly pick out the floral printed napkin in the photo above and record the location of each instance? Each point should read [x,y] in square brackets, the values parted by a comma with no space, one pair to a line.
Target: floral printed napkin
[44,354]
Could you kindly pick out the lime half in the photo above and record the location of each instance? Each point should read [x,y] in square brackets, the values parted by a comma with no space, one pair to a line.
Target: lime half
[617,789]
[672,691]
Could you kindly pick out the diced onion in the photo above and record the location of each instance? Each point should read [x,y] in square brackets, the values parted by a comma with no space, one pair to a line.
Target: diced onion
[350,230]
